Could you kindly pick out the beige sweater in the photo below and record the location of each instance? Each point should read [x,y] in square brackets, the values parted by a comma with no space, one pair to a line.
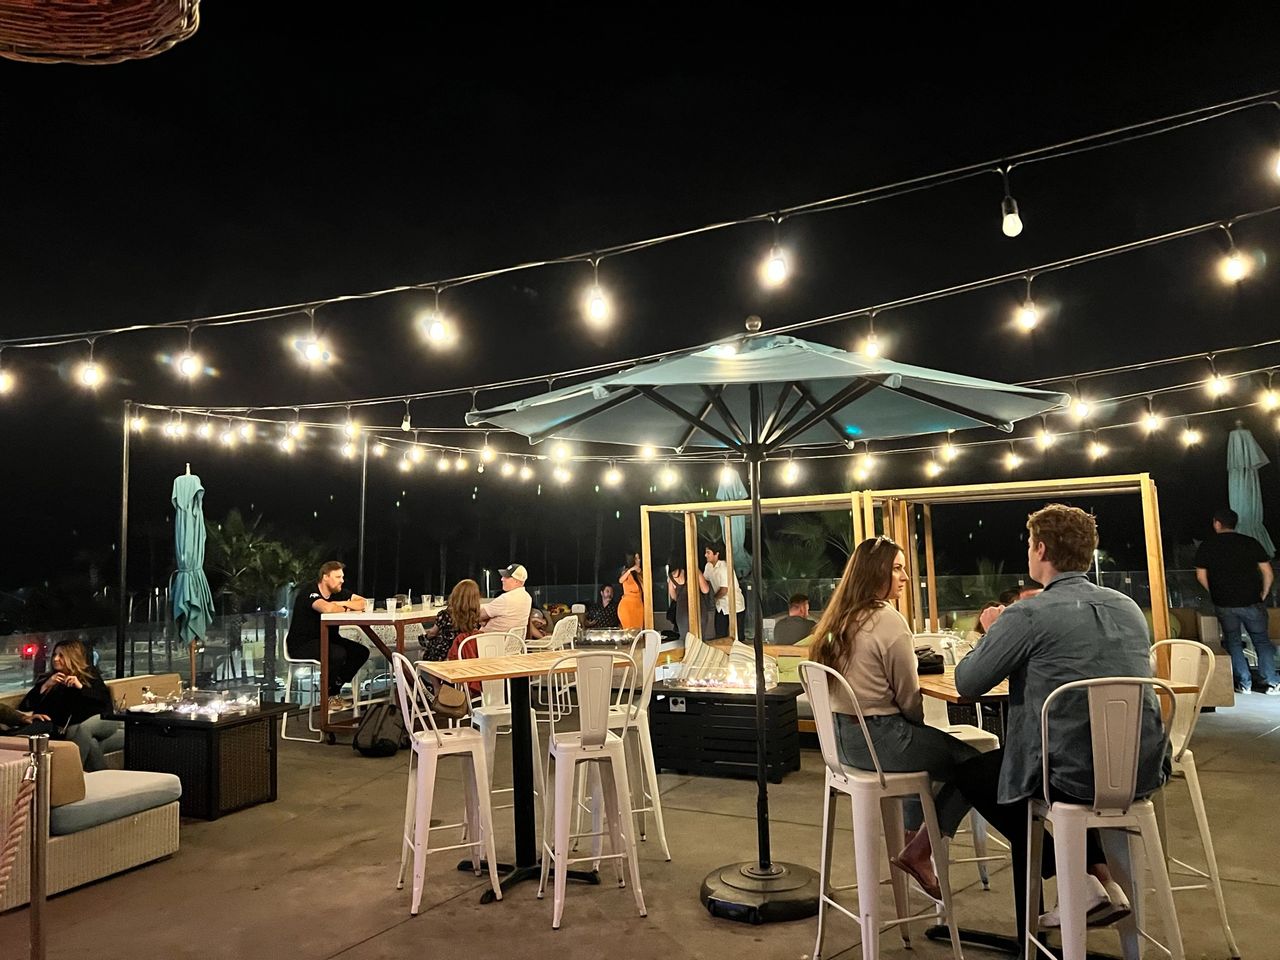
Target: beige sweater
[882,670]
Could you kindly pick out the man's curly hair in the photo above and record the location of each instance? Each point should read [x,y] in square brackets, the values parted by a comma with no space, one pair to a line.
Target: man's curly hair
[1069,535]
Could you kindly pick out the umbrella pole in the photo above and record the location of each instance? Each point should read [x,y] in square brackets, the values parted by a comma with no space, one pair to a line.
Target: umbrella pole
[122,586]
[760,890]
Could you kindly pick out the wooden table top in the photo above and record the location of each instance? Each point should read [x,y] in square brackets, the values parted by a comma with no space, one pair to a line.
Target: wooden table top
[943,686]
[501,668]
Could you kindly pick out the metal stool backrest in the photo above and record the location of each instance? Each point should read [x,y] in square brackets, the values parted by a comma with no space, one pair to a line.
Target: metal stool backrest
[493,693]
[564,634]
[289,658]
[411,694]
[594,676]
[1115,726]
[817,680]
[1189,662]
[644,651]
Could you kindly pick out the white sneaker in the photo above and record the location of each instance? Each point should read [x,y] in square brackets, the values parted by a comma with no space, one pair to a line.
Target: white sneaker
[1105,905]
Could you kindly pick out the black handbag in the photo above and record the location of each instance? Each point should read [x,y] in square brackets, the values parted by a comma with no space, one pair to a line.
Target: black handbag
[928,661]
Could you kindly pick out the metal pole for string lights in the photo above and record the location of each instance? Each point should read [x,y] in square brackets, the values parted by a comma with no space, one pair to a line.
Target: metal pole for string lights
[760,890]
[122,621]
[364,487]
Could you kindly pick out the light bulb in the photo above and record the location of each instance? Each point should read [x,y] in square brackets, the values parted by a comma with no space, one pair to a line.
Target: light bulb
[287,444]
[791,472]
[860,475]
[932,468]
[1097,449]
[526,472]
[867,463]
[1190,436]
[179,429]
[351,429]
[168,429]
[774,269]
[668,477]
[6,382]
[1012,461]
[1010,222]
[1217,385]
[90,374]
[295,430]
[404,465]
[612,477]
[728,474]
[1027,316]
[508,468]
[348,449]
[136,424]
[460,463]
[871,346]
[1081,408]
[435,328]
[228,437]
[1151,422]
[205,430]
[246,431]
[189,365]
[1269,398]
[561,475]
[379,449]
[487,454]
[1276,170]
[312,350]
[560,452]
[442,464]
[597,305]
[416,454]
[1234,267]
[406,424]
[1045,439]
[647,453]
[948,451]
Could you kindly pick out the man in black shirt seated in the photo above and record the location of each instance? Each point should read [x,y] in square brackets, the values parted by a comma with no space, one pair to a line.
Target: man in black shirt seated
[346,657]
[604,615]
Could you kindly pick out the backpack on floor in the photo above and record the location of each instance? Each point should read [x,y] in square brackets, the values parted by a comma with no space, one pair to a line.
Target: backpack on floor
[381,732]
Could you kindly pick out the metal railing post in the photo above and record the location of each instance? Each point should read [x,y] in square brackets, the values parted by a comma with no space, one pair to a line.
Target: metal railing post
[39,746]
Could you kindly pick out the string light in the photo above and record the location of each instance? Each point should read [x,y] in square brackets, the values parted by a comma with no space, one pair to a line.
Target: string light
[1190,436]
[416,453]
[1011,459]
[90,373]
[560,452]
[790,471]
[1044,436]
[205,430]
[287,444]
[460,462]
[596,304]
[138,423]
[179,429]
[871,347]
[405,464]
[312,349]
[561,475]
[406,424]
[1152,421]
[246,431]
[379,449]
[1234,265]
[773,271]
[6,379]
[668,477]
[1010,221]
[350,429]
[228,436]
[435,325]
[932,468]
[1217,385]
[508,468]
[189,365]
[486,452]
[1097,449]
[647,452]
[526,471]
[1027,316]
[348,449]
[1268,399]
[612,476]
[442,462]
[727,474]
[1080,407]
[948,451]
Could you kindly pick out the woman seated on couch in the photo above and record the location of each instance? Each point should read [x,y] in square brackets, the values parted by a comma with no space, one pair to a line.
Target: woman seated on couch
[74,698]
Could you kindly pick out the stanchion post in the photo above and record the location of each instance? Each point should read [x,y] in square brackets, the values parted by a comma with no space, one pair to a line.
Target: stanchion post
[39,746]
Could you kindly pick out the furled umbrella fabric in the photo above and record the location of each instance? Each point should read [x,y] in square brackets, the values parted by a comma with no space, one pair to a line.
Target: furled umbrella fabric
[731,488]
[189,588]
[1244,459]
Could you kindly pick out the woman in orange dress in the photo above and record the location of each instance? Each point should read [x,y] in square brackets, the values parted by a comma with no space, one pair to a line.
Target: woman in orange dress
[631,606]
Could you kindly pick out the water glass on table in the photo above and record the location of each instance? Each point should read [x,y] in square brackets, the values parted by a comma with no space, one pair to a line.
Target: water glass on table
[391,604]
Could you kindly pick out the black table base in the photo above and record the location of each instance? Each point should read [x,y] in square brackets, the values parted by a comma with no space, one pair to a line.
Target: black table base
[512,875]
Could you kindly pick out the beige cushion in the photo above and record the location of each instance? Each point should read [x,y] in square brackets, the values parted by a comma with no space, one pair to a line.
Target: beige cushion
[128,690]
[66,785]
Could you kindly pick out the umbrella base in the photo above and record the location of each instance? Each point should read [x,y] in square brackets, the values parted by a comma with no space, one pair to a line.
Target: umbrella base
[742,892]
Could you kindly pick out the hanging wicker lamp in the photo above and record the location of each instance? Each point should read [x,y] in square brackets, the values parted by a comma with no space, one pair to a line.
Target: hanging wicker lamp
[93,31]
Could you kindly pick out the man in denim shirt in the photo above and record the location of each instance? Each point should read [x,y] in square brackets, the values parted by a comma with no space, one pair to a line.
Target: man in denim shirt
[1073,630]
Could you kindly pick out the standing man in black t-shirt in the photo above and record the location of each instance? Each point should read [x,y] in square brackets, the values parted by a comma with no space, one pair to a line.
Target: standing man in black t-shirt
[1237,573]
[346,657]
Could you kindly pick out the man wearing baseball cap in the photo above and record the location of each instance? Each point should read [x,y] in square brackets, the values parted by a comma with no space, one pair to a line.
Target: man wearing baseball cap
[511,610]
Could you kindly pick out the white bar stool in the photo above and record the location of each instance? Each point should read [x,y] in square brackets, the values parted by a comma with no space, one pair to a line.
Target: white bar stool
[876,799]
[428,743]
[1115,723]
[296,666]
[1192,662]
[595,744]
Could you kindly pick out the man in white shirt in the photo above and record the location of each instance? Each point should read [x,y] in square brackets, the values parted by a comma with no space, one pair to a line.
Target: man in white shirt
[718,575]
[511,610]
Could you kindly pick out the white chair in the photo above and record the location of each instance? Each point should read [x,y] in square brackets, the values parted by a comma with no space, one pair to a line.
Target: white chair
[387,635]
[595,744]
[491,712]
[578,608]
[296,666]
[1115,706]
[876,799]
[1192,662]
[984,741]
[633,719]
[562,636]
[428,743]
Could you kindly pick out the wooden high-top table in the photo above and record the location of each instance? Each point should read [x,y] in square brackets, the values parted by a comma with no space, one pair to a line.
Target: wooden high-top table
[516,668]
[366,620]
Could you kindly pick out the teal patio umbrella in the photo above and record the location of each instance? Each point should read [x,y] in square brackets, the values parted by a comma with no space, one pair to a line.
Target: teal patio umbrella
[731,488]
[1244,459]
[754,396]
[189,588]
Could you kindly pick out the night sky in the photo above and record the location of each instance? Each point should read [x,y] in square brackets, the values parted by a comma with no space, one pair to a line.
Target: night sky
[276,158]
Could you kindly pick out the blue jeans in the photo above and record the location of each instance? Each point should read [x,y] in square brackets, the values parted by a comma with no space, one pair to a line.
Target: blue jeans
[96,737]
[1253,621]
[904,747]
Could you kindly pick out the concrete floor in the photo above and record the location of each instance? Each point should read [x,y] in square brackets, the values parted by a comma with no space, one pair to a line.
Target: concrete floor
[312,876]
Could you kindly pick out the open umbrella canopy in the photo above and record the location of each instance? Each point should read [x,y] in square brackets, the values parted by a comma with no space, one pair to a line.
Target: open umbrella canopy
[1244,459]
[189,588]
[813,395]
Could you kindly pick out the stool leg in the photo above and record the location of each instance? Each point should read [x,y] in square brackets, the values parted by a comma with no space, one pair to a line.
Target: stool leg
[1160,875]
[866,855]
[614,784]
[483,815]
[1069,849]
[1035,852]
[651,776]
[1206,842]
[548,811]
[824,867]
[939,844]
[599,801]
[422,825]
[472,829]
[891,817]
[563,811]
[410,799]
[979,828]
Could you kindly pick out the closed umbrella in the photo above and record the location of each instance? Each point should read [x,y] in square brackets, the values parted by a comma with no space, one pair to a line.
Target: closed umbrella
[758,395]
[1244,459]
[731,488]
[189,588]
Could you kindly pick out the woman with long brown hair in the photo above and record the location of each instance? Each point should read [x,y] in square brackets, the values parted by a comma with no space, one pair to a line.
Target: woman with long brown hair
[74,698]
[459,619]
[862,636]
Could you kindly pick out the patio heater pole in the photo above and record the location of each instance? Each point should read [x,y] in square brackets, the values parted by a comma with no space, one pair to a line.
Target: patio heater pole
[123,552]
[364,487]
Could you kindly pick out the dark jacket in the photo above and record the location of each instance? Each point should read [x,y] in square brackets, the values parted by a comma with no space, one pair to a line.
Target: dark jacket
[65,705]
